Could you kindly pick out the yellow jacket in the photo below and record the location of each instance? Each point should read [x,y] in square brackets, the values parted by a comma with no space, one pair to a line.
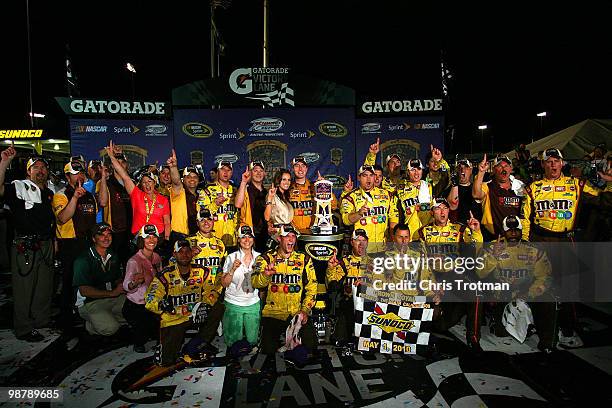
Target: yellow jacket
[416,213]
[226,215]
[211,256]
[291,289]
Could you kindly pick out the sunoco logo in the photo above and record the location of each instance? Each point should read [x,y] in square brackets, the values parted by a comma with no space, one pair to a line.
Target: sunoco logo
[156,130]
[333,129]
[320,252]
[370,127]
[199,130]
[266,125]
[390,322]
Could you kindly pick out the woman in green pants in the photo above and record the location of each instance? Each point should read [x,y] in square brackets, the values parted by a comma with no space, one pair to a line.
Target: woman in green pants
[242,311]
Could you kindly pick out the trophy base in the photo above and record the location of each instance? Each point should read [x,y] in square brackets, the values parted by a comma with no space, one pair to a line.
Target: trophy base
[324,230]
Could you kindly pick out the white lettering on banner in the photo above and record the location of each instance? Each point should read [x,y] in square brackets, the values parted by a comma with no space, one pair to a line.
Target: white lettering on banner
[122,107]
[416,105]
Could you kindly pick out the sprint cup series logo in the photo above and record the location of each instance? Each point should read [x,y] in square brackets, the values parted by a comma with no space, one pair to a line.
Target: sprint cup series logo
[269,85]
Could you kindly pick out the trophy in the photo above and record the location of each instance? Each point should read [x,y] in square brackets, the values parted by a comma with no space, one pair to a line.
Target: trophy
[323,223]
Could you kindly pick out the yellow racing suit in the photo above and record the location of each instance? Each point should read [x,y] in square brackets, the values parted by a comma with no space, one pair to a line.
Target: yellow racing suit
[350,267]
[183,294]
[211,256]
[525,268]
[445,241]
[382,211]
[225,215]
[552,205]
[415,210]
[291,289]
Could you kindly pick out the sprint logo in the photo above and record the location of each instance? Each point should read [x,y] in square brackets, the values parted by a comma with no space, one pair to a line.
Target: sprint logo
[20,133]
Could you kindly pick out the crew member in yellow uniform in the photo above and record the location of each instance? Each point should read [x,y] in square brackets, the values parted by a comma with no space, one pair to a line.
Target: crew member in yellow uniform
[341,275]
[370,208]
[301,196]
[174,294]
[528,272]
[548,214]
[442,240]
[291,284]
[393,164]
[209,253]
[550,205]
[219,198]
[414,199]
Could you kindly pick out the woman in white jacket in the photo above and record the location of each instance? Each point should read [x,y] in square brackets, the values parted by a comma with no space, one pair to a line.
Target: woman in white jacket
[242,312]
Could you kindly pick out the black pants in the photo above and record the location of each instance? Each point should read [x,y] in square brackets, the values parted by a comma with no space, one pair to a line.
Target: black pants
[171,341]
[449,314]
[208,329]
[69,250]
[121,246]
[144,324]
[273,328]
[345,323]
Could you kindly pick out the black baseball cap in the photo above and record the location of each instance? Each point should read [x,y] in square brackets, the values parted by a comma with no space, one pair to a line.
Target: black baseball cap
[298,159]
[101,228]
[360,232]
[245,231]
[256,163]
[440,201]
[204,214]
[181,243]
[225,163]
[552,153]
[415,164]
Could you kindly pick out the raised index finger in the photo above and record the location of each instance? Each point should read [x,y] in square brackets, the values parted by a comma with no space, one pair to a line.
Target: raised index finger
[471,215]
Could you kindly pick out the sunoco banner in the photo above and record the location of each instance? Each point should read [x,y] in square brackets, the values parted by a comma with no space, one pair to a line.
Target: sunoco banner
[325,137]
[143,141]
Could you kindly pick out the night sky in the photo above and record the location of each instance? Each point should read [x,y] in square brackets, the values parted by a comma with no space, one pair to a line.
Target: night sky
[508,62]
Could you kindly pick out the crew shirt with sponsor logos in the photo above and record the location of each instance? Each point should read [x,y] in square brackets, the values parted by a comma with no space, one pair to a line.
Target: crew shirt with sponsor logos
[225,215]
[291,289]
[382,212]
[350,268]
[445,241]
[497,204]
[552,205]
[84,217]
[414,205]
[182,292]
[210,256]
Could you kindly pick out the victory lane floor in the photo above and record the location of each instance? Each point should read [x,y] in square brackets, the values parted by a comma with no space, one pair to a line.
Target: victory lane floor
[93,372]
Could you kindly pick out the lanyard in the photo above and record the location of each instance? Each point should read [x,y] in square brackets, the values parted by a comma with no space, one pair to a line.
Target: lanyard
[149,211]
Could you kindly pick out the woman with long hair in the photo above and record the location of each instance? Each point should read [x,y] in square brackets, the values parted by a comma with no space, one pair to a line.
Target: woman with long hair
[241,317]
[139,272]
[279,210]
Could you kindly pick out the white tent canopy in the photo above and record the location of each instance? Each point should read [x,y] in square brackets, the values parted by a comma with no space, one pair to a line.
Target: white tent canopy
[576,141]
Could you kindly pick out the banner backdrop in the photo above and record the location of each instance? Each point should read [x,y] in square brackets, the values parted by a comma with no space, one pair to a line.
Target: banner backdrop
[324,136]
[143,141]
[409,137]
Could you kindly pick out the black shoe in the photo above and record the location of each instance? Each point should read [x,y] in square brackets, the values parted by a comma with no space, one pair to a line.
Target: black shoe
[475,348]
[32,337]
[139,348]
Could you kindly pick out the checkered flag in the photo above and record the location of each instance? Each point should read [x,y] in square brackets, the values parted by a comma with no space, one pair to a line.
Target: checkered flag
[276,98]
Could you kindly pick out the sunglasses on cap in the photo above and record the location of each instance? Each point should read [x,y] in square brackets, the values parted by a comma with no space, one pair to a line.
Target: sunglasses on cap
[360,233]
[552,153]
[391,156]
[464,162]
[415,164]
[147,230]
[148,174]
[34,159]
[363,169]
[245,231]
[73,168]
[286,229]
[188,170]
[181,243]
[225,163]
[298,159]
[500,159]
[101,228]
[205,214]
[256,163]
[440,201]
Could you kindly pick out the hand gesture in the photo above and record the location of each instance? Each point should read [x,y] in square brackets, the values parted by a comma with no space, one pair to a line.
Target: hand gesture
[333,261]
[220,199]
[195,250]
[138,278]
[79,191]
[172,162]
[270,269]
[319,176]
[436,154]
[473,223]
[246,176]
[111,149]
[363,211]
[482,166]
[10,153]
[117,149]
[375,147]
[348,186]
[271,193]
[236,264]
[304,317]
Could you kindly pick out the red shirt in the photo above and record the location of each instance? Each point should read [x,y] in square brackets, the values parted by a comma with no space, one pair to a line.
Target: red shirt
[158,207]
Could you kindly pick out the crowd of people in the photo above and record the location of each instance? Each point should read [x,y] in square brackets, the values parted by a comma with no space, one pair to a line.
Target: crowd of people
[162,250]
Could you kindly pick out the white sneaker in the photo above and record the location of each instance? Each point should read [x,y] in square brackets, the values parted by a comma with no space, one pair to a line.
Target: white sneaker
[573,341]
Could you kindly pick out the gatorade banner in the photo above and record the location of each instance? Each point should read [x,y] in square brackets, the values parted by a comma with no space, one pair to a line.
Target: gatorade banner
[409,137]
[143,141]
[324,136]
